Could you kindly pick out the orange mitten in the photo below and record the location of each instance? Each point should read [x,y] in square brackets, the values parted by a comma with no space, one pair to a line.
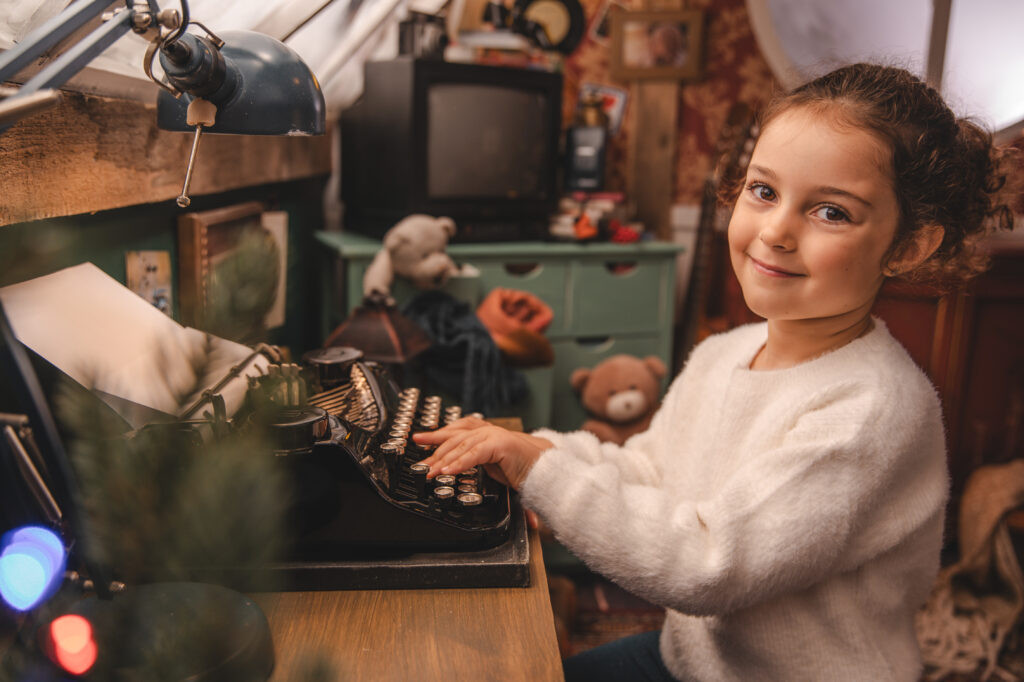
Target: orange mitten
[516,321]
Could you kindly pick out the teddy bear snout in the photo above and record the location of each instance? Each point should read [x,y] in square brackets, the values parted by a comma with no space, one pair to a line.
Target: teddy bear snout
[626,405]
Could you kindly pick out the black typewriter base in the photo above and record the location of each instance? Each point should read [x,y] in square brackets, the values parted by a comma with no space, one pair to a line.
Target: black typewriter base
[507,565]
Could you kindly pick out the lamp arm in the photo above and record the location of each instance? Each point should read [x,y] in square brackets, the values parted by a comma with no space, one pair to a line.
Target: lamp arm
[49,34]
[182,27]
[57,72]
[39,91]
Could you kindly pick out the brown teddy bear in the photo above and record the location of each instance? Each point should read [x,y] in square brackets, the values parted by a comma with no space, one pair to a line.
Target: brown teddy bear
[621,394]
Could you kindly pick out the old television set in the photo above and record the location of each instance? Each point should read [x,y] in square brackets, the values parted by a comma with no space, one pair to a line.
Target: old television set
[477,143]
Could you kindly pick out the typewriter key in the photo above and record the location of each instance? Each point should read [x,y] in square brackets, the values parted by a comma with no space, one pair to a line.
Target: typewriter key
[444,492]
[445,480]
[470,499]
[399,434]
[467,488]
[466,480]
[471,471]
[391,446]
[419,477]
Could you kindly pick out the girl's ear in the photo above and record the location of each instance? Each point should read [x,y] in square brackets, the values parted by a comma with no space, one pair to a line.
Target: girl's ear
[917,250]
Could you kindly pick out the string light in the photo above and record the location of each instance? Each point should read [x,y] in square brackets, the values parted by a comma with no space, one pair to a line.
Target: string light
[32,562]
[73,646]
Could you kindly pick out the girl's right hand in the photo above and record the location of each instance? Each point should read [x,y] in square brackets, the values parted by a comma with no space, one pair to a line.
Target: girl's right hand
[507,456]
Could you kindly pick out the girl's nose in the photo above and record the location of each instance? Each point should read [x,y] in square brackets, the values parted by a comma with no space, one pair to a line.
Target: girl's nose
[777,233]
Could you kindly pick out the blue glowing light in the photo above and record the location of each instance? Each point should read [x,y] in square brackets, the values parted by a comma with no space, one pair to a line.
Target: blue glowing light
[31,566]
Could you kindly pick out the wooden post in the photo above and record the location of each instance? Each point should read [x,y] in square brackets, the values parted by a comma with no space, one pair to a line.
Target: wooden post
[652,185]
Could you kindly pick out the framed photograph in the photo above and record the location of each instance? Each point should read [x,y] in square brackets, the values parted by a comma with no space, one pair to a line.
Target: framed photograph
[236,250]
[665,45]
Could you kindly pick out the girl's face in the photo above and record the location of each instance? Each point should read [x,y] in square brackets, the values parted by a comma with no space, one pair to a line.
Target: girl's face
[814,220]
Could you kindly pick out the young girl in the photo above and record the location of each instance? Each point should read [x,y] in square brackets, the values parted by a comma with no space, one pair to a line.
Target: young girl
[786,505]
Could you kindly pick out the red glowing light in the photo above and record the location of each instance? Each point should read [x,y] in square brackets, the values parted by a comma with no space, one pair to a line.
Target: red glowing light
[73,645]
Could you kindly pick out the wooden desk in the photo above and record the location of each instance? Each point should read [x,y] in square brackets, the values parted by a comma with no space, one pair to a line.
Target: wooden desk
[501,634]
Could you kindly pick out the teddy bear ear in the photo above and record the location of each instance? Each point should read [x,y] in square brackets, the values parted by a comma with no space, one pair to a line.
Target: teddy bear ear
[579,377]
[656,366]
[448,224]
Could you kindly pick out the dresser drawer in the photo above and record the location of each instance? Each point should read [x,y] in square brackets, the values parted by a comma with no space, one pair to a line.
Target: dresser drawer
[612,296]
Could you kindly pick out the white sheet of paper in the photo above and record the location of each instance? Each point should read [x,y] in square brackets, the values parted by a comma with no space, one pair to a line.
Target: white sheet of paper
[104,336]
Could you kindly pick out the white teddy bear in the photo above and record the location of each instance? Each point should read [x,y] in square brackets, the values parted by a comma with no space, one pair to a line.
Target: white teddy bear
[414,249]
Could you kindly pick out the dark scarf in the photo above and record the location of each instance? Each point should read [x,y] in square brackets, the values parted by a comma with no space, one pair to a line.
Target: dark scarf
[463,359]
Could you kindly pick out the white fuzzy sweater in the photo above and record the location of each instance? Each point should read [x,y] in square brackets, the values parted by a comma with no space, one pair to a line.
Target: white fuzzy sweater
[789,520]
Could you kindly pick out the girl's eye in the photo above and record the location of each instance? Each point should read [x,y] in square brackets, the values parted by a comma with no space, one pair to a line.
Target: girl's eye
[832,214]
[761,191]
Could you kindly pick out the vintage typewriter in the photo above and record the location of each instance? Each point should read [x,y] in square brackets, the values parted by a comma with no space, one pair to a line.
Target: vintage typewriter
[360,490]
[361,513]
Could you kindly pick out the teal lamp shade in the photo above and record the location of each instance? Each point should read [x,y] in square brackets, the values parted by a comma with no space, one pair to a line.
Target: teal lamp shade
[259,84]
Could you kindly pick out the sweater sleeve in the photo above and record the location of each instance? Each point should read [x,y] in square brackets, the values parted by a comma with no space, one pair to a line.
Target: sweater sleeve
[582,449]
[793,514]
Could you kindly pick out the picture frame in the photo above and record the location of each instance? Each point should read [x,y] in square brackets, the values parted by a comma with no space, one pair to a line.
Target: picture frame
[662,45]
[208,238]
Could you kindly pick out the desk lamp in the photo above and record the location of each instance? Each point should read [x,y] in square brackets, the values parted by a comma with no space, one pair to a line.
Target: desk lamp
[245,83]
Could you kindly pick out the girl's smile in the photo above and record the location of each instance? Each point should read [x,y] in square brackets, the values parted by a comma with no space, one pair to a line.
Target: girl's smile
[771,270]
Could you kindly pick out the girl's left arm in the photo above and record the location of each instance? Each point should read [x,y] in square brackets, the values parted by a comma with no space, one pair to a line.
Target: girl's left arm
[847,483]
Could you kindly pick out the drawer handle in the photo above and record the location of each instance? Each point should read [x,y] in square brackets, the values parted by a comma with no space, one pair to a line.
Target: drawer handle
[620,268]
[595,343]
[522,269]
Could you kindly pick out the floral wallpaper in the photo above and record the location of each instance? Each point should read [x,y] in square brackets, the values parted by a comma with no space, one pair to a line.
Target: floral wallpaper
[734,71]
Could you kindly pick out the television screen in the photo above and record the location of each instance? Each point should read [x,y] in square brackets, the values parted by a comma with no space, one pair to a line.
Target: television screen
[485,141]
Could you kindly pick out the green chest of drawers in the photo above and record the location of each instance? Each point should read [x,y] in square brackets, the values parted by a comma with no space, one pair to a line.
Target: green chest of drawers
[606,299]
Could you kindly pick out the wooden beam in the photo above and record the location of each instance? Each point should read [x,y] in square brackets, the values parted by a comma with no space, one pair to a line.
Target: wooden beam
[654,153]
[941,10]
[91,154]
[654,147]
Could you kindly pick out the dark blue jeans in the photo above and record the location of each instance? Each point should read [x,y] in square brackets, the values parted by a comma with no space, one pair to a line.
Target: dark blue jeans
[630,659]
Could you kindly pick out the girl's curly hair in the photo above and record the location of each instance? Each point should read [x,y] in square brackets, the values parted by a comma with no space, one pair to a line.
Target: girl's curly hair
[945,170]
